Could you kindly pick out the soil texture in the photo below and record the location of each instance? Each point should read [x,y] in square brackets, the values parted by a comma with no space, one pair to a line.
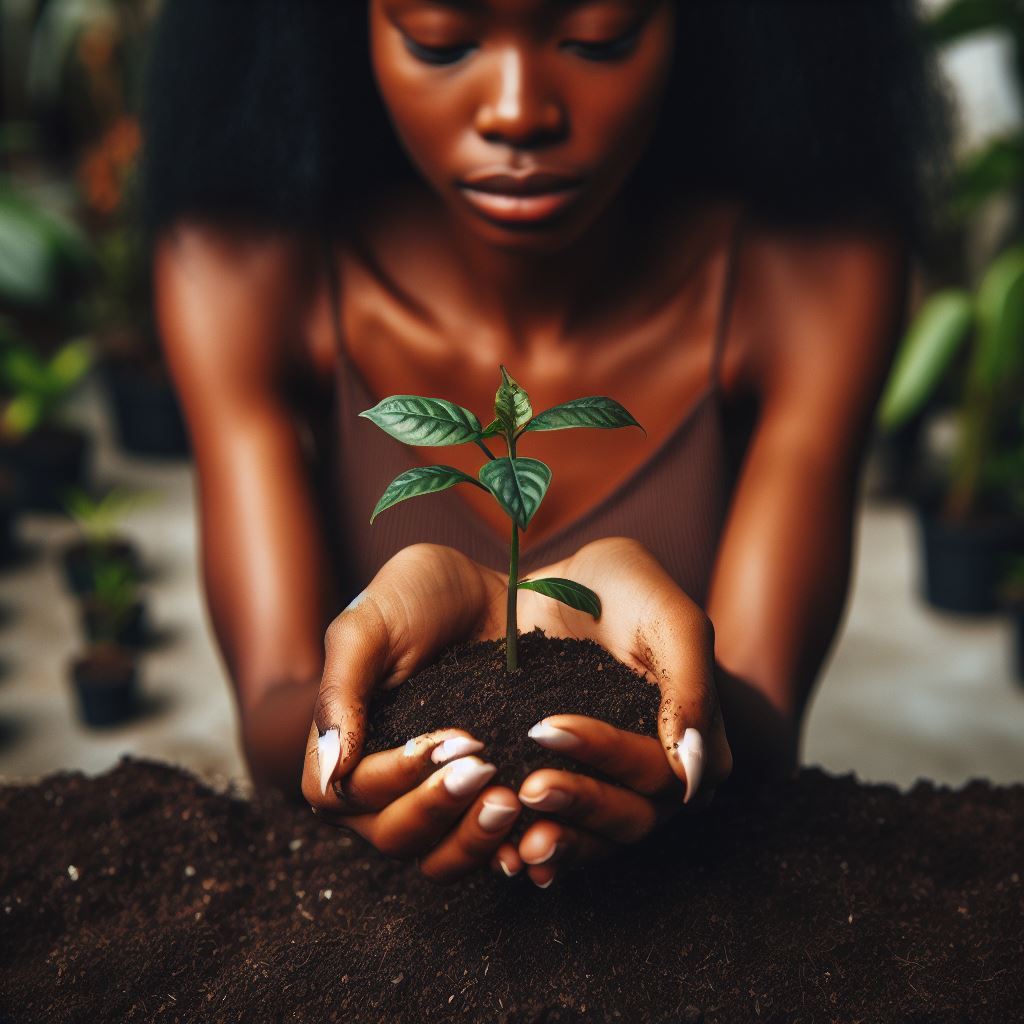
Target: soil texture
[143,895]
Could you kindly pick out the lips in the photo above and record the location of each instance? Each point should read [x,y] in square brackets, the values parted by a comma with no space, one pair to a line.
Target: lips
[518,197]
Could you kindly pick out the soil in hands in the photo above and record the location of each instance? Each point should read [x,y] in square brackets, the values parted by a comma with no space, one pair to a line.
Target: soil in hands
[142,895]
[469,688]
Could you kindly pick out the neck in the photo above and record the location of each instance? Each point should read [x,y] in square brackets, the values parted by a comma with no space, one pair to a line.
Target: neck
[543,295]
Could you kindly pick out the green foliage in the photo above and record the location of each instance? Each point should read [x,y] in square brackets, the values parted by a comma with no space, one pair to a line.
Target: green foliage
[37,387]
[99,519]
[517,484]
[114,595]
[39,250]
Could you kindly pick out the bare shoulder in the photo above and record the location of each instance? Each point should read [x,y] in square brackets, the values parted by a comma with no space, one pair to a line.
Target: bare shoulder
[824,305]
[250,288]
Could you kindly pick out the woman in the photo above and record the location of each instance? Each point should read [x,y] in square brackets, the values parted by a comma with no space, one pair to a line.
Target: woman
[706,211]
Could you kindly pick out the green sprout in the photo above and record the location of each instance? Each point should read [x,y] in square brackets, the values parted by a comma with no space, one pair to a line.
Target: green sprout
[518,484]
[115,592]
[99,519]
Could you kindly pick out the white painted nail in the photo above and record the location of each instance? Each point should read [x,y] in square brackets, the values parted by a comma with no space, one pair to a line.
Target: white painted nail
[495,816]
[549,800]
[552,737]
[457,746]
[466,776]
[328,753]
[410,747]
[357,600]
[691,752]
[504,867]
[555,847]
[544,885]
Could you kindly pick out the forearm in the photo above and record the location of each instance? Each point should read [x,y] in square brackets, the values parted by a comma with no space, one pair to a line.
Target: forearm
[274,732]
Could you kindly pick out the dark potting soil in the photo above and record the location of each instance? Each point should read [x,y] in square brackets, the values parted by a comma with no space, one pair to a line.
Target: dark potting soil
[469,687]
[143,895]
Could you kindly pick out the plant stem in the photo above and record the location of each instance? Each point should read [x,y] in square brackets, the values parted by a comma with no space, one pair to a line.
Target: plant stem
[486,450]
[511,627]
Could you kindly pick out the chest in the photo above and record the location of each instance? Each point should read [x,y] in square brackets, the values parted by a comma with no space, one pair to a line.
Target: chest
[658,365]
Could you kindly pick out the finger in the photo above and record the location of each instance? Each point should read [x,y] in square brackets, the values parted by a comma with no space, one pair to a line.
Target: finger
[356,650]
[414,823]
[548,846]
[378,779]
[635,761]
[477,837]
[612,812]
[507,860]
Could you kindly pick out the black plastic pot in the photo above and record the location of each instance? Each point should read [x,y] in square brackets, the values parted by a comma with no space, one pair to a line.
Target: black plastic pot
[47,464]
[8,517]
[79,560]
[964,563]
[106,684]
[147,416]
[133,631]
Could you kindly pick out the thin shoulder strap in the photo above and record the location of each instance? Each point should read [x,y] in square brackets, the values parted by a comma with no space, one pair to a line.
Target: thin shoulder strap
[725,306]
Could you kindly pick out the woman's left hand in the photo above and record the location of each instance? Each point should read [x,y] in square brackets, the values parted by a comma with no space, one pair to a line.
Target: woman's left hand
[649,624]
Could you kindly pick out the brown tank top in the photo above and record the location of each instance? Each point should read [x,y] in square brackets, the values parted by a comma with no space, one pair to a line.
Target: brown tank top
[674,502]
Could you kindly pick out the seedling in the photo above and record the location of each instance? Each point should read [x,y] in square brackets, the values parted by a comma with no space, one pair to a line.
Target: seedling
[114,596]
[518,484]
[99,519]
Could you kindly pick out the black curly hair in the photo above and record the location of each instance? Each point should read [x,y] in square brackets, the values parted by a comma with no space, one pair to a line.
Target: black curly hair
[810,110]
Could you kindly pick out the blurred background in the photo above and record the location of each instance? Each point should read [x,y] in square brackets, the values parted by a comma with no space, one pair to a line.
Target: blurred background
[105,647]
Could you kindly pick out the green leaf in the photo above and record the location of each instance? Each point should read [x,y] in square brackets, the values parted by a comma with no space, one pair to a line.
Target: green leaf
[491,430]
[997,168]
[965,17]
[421,480]
[511,405]
[938,331]
[22,415]
[424,421]
[603,413]
[70,365]
[575,595]
[518,484]
[1000,345]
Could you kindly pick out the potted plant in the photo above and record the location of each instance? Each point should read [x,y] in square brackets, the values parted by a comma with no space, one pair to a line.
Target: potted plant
[146,413]
[105,680]
[551,675]
[101,542]
[113,610]
[968,521]
[46,456]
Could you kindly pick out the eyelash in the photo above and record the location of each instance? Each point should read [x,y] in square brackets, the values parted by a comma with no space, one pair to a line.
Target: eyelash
[440,56]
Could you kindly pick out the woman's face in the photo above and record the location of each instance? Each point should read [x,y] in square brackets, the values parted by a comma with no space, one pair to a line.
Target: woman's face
[526,116]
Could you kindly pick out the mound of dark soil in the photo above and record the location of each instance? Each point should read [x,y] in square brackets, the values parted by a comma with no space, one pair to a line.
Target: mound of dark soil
[144,896]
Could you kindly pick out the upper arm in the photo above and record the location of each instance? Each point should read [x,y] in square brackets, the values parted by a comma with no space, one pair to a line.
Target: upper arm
[830,316]
[230,312]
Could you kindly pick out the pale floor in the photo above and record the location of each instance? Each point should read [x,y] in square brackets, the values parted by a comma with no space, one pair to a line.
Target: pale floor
[908,693]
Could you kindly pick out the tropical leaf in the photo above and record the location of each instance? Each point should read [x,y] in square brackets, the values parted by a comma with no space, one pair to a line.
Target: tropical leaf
[512,406]
[421,480]
[1000,344]
[965,17]
[595,411]
[491,430]
[518,484]
[938,331]
[424,421]
[575,595]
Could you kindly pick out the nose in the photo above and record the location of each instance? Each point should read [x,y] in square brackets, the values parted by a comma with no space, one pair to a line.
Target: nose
[521,108]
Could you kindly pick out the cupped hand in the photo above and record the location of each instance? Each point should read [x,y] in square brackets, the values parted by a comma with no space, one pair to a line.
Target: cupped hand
[424,599]
[648,623]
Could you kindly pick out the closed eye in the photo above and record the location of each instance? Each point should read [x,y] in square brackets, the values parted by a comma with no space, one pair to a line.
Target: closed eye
[612,49]
[436,55]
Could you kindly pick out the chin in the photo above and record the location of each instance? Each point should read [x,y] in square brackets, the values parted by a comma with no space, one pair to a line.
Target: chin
[541,239]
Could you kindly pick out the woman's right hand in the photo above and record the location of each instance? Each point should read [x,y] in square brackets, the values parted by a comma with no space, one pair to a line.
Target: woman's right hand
[424,599]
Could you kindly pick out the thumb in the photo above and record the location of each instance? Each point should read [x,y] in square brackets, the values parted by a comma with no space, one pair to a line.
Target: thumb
[356,650]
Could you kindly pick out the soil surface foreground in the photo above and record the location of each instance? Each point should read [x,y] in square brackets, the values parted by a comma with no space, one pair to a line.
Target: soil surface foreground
[143,895]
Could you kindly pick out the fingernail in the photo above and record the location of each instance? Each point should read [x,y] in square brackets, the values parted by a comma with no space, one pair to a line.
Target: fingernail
[504,868]
[495,816]
[357,600]
[549,800]
[691,752]
[545,885]
[466,775]
[328,753]
[545,857]
[552,737]
[457,746]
